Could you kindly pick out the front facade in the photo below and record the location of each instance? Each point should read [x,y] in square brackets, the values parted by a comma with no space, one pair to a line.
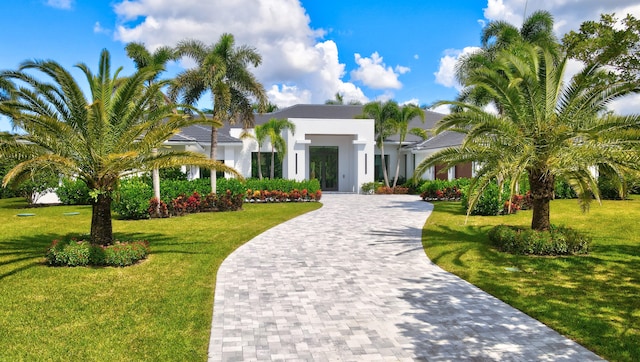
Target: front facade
[329,144]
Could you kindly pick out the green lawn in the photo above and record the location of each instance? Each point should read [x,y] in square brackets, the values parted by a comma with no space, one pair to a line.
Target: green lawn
[159,309]
[592,299]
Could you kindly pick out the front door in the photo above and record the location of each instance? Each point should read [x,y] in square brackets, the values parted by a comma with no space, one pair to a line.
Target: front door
[324,167]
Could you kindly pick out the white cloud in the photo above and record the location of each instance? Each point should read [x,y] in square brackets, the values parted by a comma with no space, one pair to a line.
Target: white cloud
[60,4]
[446,74]
[568,14]
[627,105]
[414,101]
[443,109]
[373,73]
[296,65]
[98,29]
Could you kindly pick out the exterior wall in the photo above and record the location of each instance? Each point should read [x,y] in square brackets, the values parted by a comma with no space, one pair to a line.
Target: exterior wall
[355,142]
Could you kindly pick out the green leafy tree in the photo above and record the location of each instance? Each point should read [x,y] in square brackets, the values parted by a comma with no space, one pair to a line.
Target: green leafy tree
[97,139]
[406,114]
[157,60]
[385,116]
[609,42]
[222,69]
[547,130]
[273,129]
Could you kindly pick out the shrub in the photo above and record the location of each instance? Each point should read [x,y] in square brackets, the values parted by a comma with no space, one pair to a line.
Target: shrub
[557,241]
[371,187]
[132,199]
[178,206]
[610,188]
[415,186]
[443,189]
[68,253]
[157,208]
[282,185]
[80,253]
[228,201]
[73,192]
[562,190]
[489,203]
[124,254]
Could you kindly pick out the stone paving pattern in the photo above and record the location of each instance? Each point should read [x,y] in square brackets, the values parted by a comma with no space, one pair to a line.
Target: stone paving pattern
[351,282]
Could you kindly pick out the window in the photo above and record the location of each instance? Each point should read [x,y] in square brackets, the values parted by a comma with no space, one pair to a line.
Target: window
[265,164]
[378,174]
[206,173]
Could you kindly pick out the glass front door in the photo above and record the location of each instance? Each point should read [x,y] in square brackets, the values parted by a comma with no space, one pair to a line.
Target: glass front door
[324,167]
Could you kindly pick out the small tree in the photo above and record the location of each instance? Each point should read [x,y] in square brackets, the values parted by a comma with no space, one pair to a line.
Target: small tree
[97,140]
[546,130]
[386,116]
[274,128]
[407,113]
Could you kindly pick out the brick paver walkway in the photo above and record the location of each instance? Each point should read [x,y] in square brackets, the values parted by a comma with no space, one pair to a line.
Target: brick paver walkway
[351,282]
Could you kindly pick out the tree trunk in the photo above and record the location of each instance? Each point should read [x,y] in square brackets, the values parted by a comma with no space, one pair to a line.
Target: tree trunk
[383,162]
[155,178]
[542,185]
[395,178]
[213,156]
[259,164]
[273,166]
[101,228]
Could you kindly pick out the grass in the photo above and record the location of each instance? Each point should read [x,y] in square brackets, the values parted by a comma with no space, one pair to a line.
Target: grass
[160,309]
[593,299]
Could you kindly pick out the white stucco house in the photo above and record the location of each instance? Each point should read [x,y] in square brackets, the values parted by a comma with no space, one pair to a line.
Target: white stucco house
[329,144]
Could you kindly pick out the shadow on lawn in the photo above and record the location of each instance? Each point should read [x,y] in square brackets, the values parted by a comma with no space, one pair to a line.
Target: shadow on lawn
[593,298]
[453,320]
[26,252]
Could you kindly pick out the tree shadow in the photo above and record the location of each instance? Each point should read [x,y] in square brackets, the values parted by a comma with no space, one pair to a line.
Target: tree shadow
[15,252]
[26,252]
[452,320]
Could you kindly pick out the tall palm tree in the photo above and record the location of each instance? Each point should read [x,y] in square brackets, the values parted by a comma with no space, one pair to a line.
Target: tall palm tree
[273,129]
[406,114]
[260,137]
[98,139]
[222,69]
[546,130]
[158,60]
[385,116]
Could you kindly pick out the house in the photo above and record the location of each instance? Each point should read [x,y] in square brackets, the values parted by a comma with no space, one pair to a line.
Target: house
[329,144]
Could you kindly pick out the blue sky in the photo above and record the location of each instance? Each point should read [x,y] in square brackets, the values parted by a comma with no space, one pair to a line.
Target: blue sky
[402,50]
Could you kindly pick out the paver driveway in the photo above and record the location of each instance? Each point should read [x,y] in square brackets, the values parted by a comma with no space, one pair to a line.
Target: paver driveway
[351,282]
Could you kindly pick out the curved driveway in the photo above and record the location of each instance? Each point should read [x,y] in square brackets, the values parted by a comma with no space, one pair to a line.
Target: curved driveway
[351,282]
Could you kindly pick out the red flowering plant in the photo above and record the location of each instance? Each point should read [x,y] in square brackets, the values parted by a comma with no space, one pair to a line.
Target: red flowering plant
[179,205]
[295,195]
[193,202]
[208,203]
[157,208]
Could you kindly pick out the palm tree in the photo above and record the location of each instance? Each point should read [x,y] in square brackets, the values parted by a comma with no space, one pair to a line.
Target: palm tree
[546,130]
[385,116]
[97,140]
[260,137]
[536,29]
[406,114]
[157,60]
[274,128]
[339,100]
[222,69]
